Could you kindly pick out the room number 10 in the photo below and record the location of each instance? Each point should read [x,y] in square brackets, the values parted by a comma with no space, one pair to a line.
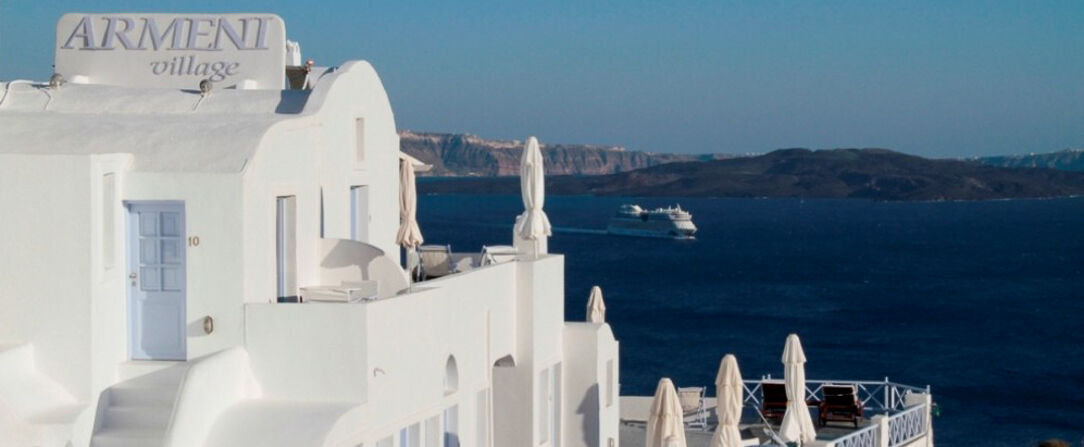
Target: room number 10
[193,241]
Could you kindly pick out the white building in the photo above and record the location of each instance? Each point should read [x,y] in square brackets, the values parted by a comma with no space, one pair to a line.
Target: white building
[151,232]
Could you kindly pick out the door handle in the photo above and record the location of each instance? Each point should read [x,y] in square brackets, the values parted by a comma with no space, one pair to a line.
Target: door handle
[132,276]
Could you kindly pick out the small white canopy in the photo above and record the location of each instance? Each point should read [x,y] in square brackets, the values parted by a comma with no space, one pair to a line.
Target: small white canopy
[797,423]
[729,396]
[533,223]
[596,308]
[665,423]
[410,235]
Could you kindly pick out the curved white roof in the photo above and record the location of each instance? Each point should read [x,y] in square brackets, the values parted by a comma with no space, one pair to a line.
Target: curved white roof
[165,129]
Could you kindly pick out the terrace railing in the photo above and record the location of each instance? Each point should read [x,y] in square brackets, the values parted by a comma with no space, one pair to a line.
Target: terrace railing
[866,437]
[899,423]
[875,395]
[907,425]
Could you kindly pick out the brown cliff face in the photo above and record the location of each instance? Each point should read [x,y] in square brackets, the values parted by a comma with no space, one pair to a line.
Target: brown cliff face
[469,155]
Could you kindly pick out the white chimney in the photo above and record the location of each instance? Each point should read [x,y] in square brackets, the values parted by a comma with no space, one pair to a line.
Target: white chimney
[293,53]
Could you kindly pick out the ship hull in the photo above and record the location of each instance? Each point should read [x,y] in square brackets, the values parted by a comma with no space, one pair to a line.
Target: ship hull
[662,230]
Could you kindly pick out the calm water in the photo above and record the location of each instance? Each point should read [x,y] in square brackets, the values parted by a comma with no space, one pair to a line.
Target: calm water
[982,301]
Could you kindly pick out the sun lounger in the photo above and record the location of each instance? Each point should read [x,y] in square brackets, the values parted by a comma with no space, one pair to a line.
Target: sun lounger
[495,254]
[692,404]
[434,261]
[841,404]
[347,292]
[773,402]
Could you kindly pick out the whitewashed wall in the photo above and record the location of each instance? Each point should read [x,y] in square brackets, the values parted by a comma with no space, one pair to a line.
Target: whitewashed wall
[592,406]
[44,259]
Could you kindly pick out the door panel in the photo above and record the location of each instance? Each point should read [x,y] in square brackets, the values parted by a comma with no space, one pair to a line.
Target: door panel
[156,289]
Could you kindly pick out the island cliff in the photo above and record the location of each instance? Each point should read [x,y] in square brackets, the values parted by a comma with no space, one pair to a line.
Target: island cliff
[454,155]
[877,174]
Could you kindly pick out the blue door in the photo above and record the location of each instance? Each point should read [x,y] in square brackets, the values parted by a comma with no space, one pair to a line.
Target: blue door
[156,281]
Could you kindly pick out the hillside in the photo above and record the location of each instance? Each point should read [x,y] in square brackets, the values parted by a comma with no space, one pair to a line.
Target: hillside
[854,173]
[1066,160]
[469,155]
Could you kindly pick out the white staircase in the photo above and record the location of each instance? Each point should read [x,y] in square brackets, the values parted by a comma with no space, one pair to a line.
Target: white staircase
[138,409]
[36,408]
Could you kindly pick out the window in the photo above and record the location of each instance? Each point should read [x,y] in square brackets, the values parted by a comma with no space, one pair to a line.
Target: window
[359,213]
[610,385]
[286,248]
[555,406]
[410,436]
[451,426]
[109,196]
[432,432]
[544,403]
[359,139]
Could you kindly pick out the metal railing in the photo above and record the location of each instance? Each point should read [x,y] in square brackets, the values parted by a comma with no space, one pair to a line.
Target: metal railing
[874,395]
[907,425]
[904,423]
[866,437]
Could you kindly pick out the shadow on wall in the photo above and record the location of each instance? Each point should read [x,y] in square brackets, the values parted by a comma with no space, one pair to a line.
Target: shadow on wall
[292,101]
[346,260]
[588,411]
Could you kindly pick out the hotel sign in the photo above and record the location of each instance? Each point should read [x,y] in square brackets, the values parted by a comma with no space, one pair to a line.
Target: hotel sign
[171,50]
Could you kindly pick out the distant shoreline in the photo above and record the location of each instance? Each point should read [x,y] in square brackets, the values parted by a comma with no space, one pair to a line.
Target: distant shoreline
[873,174]
[422,191]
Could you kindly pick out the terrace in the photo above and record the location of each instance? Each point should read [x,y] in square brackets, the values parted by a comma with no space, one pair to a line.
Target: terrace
[893,415]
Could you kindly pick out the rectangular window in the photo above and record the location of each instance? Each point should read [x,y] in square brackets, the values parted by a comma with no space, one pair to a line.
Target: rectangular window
[610,385]
[451,426]
[544,406]
[286,248]
[109,196]
[482,436]
[410,436]
[359,213]
[555,406]
[415,434]
[359,139]
[432,432]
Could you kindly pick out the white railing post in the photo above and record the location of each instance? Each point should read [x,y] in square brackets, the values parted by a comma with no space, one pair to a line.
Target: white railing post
[925,399]
[888,395]
[881,421]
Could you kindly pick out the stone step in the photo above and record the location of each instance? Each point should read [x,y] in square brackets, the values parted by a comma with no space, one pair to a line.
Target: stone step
[156,417]
[152,373]
[124,394]
[129,438]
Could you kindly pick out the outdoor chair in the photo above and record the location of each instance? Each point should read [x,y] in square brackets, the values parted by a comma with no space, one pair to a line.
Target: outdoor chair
[840,403]
[434,261]
[773,402]
[692,404]
[496,254]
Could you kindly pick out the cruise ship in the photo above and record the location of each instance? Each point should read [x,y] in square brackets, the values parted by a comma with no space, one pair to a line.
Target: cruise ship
[669,222]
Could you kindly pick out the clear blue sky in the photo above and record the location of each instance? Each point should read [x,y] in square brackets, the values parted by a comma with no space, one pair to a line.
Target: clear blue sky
[944,78]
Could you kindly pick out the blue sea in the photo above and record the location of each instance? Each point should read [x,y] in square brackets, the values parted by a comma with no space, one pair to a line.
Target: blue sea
[982,301]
